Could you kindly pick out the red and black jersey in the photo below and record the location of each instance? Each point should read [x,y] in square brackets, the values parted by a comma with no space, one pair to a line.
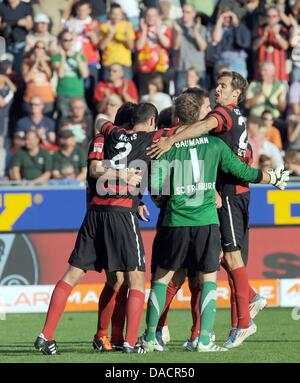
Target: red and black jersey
[121,150]
[96,152]
[232,130]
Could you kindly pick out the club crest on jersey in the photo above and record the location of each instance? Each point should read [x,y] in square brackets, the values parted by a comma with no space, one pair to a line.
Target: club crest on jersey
[98,147]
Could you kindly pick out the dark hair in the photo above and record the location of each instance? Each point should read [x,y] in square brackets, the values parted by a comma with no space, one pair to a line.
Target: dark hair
[80,3]
[199,93]
[114,6]
[237,83]
[143,112]
[187,108]
[166,118]
[124,115]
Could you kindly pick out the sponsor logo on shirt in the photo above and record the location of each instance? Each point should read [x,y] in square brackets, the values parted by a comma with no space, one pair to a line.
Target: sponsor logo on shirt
[98,147]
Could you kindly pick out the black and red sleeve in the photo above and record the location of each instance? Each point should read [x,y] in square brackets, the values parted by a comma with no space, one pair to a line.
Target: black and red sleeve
[164,133]
[106,128]
[224,119]
[96,149]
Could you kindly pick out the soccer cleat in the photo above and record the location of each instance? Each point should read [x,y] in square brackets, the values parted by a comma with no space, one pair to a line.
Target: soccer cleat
[230,338]
[166,337]
[191,345]
[47,347]
[211,347]
[102,344]
[240,335]
[257,304]
[127,349]
[152,345]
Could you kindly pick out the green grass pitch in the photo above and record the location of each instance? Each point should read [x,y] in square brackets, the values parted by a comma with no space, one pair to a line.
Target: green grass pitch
[277,340]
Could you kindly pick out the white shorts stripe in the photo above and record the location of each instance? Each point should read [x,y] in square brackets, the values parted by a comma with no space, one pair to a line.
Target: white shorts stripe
[231,221]
[136,239]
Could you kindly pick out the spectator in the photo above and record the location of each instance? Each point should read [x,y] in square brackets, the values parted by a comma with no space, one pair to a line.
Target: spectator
[131,10]
[232,38]
[7,90]
[31,163]
[153,44]
[268,148]
[267,93]
[117,42]
[192,78]
[295,44]
[57,11]
[294,132]
[80,122]
[253,124]
[15,22]
[155,95]
[118,85]
[41,33]
[292,162]
[69,154]
[72,69]
[272,42]
[294,98]
[113,104]
[37,74]
[165,13]
[273,133]
[264,162]
[86,32]
[18,142]
[43,126]
[190,45]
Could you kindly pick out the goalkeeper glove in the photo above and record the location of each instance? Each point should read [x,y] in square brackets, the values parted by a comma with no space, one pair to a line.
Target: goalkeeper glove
[279,177]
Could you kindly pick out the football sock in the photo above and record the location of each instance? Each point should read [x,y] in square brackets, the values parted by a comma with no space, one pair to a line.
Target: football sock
[252,293]
[56,308]
[207,311]
[106,307]
[134,314]
[156,304]
[241,286]
[171,292]
[195,309]
[119,315]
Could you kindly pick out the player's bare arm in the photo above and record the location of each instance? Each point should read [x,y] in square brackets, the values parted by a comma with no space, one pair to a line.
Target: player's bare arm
[158,148]
[131,177]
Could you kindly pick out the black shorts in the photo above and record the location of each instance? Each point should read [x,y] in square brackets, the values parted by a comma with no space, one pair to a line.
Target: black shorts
[234,223]
[195,248]
[109,241]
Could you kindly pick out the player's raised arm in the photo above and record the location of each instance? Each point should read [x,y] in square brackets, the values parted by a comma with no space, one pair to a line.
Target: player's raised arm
[157,149]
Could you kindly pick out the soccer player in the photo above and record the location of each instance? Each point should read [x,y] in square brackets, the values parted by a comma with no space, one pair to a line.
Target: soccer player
[227,122]
[126,253]
[88,253]
[189,231]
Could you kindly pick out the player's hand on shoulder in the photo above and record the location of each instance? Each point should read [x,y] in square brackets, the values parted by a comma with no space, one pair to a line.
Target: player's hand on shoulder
[279,177]
[159,147]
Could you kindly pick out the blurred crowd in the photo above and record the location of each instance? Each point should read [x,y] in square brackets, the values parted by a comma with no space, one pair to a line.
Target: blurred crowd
[64,62]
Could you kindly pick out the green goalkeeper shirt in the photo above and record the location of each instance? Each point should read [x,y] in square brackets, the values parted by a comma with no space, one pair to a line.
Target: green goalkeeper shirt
[187,175]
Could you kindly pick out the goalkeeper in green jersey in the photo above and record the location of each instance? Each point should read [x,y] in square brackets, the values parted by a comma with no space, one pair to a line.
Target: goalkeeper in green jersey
[189,234]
